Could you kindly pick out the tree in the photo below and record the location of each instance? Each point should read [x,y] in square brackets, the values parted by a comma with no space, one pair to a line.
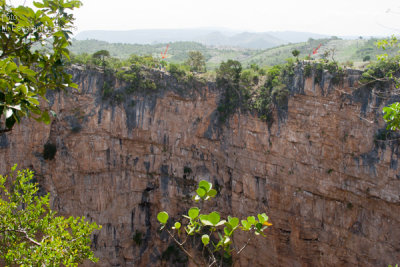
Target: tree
[196,61]
[33,52]
[101,54]
[367,58]
[228,78]
[229,72]
[296,54]
[30,232]
[216,234]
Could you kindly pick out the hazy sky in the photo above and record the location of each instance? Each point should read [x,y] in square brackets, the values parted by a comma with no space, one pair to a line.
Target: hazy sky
[339,17]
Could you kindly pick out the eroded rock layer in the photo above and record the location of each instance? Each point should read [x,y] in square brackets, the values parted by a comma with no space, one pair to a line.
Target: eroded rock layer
[322,171]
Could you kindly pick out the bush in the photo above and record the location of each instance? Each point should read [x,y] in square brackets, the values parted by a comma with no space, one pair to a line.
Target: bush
[106,90]
[367,58]
[196,61]
[263,103]
[249,78]
[176,70]
[236,91]
[280,94]
[332,67]
[274,91]
[307,70]
[381,71]
[31,234]
[135,77]
[349,63]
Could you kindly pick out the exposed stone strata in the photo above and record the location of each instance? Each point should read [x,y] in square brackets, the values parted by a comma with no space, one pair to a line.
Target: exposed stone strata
[332,193]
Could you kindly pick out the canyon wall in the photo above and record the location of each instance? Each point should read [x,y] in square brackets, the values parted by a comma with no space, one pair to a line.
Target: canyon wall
[322,170]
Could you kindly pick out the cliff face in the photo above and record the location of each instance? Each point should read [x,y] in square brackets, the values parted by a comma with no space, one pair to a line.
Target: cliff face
[321,171]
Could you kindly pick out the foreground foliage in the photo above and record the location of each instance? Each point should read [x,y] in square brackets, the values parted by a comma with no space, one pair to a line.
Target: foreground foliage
[386,70]
[30,232]
[27,73]
[216,234]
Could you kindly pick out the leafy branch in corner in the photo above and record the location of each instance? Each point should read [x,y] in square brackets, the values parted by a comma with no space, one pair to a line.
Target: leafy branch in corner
[216,234]
[33,53]
[387,70]
[31,234]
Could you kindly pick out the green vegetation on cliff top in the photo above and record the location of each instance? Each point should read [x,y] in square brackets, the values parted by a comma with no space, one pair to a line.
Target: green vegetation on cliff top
[358,51]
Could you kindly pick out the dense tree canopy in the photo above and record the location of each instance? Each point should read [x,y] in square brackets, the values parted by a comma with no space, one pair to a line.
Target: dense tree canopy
[31,234]
[196,61]
[33,53]
[33,50]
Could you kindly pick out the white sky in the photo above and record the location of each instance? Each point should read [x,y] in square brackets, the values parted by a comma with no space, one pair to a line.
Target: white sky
[339,17]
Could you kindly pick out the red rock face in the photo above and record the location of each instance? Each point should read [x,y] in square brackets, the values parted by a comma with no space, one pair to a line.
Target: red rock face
[331,190]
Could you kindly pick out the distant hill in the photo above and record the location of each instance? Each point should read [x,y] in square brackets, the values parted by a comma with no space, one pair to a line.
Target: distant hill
[177,52]
[344,51]
[356,50]
[143,36]
[244,40]
[296,37]
[206,36]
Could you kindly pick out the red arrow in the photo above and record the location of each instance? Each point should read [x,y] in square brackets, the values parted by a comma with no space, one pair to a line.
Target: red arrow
[315,50]
[165,53]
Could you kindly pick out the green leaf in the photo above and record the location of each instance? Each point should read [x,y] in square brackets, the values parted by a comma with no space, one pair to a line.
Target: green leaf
[262,217]
[212,193]
[201,192]
[246,225]
[27,71]
[73,85]
[177,225]
[162,217]
[251,219]
[205,220]
[45,117]
[205,185]
[227,231]
[193,212]
[233,221]
[33,101]
[22,88]
[205,239]
[214,217]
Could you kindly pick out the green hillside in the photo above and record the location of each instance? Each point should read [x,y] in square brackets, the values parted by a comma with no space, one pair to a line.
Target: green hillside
[344,51]
[177,52]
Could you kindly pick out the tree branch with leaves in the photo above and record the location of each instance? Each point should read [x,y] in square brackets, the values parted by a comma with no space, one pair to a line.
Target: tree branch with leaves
[216,234]
[33,53]
[31,234]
